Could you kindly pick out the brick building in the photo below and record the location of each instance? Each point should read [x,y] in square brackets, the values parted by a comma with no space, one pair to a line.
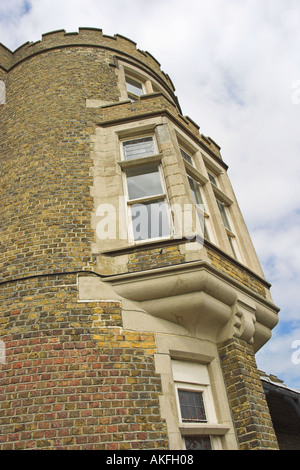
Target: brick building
[123,327]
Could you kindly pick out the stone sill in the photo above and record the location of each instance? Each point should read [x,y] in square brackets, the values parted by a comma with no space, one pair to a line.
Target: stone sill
[203,429]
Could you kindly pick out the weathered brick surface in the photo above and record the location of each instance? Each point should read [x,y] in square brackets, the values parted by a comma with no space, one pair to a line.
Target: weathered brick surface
[45,166]
[237,273]
[250,411]
[45,146]
[148,104]
[73,378]
[154,258]
[88,37]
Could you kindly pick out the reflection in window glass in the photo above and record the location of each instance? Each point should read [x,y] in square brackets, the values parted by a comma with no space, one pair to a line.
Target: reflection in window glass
[233,246]
[143,182]
[223,214]
[191,406]
[138,148]
[212,179]
[134,87]
[186,156]
[197,443]
[150,220]
[195,191]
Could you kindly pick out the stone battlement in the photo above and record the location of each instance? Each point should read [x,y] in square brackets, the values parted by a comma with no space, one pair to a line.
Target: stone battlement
[85,37]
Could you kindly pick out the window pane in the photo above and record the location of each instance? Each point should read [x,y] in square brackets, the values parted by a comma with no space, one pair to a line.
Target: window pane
[212,179]
[224,215]
[231,241]
[143,182]
[134,87]
[191,406]
[150,220]
[186,156]
[203,225]
[195,191]
[138,148]
[197,443]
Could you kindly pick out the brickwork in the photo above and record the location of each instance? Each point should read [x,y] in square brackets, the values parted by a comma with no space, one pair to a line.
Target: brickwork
[154,258]
[250,411]
[148,104]
[45,162]
[5,57]
[237,273]
[46,159]
[93,38]
[73,378]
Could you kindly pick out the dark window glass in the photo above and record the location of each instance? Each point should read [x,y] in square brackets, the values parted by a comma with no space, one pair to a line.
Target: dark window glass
[195,191]
[212,179]
[223,214]
[197,443]
[191,406]
[186,157]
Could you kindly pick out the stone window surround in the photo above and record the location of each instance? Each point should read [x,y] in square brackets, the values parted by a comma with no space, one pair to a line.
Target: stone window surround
[220,429]
[184,373]
[203,161]
[150,84]
[192,170]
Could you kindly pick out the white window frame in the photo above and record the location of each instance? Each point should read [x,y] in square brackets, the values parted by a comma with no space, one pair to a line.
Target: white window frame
[213,178]
[134,163]
[200,180]
[203,210]
[132,96]
[207,399]
[200,428]
[137,137]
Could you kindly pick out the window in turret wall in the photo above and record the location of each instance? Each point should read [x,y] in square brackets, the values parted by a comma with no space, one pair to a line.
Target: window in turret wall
[135,88]
[147,203]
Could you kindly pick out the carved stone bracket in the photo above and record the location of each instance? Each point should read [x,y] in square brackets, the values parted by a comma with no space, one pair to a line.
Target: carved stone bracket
[192,297]
[242,322]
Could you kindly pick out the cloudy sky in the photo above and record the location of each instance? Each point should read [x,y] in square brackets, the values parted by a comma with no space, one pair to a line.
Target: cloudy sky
[235,65]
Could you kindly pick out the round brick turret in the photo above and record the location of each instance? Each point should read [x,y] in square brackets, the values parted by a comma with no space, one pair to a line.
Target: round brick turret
[59,388]
[45,132]
[94,330]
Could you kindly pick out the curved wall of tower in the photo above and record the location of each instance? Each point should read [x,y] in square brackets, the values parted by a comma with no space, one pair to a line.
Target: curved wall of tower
[45,155]
[94,329]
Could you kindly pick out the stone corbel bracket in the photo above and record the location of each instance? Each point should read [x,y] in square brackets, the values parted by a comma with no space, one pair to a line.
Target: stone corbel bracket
[195,297]
[241,323]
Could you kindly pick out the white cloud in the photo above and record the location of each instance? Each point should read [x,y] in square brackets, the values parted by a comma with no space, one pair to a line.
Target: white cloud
[283,351]
[233,64]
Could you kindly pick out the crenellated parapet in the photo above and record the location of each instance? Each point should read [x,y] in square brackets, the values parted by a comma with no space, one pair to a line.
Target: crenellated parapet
[85,37]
